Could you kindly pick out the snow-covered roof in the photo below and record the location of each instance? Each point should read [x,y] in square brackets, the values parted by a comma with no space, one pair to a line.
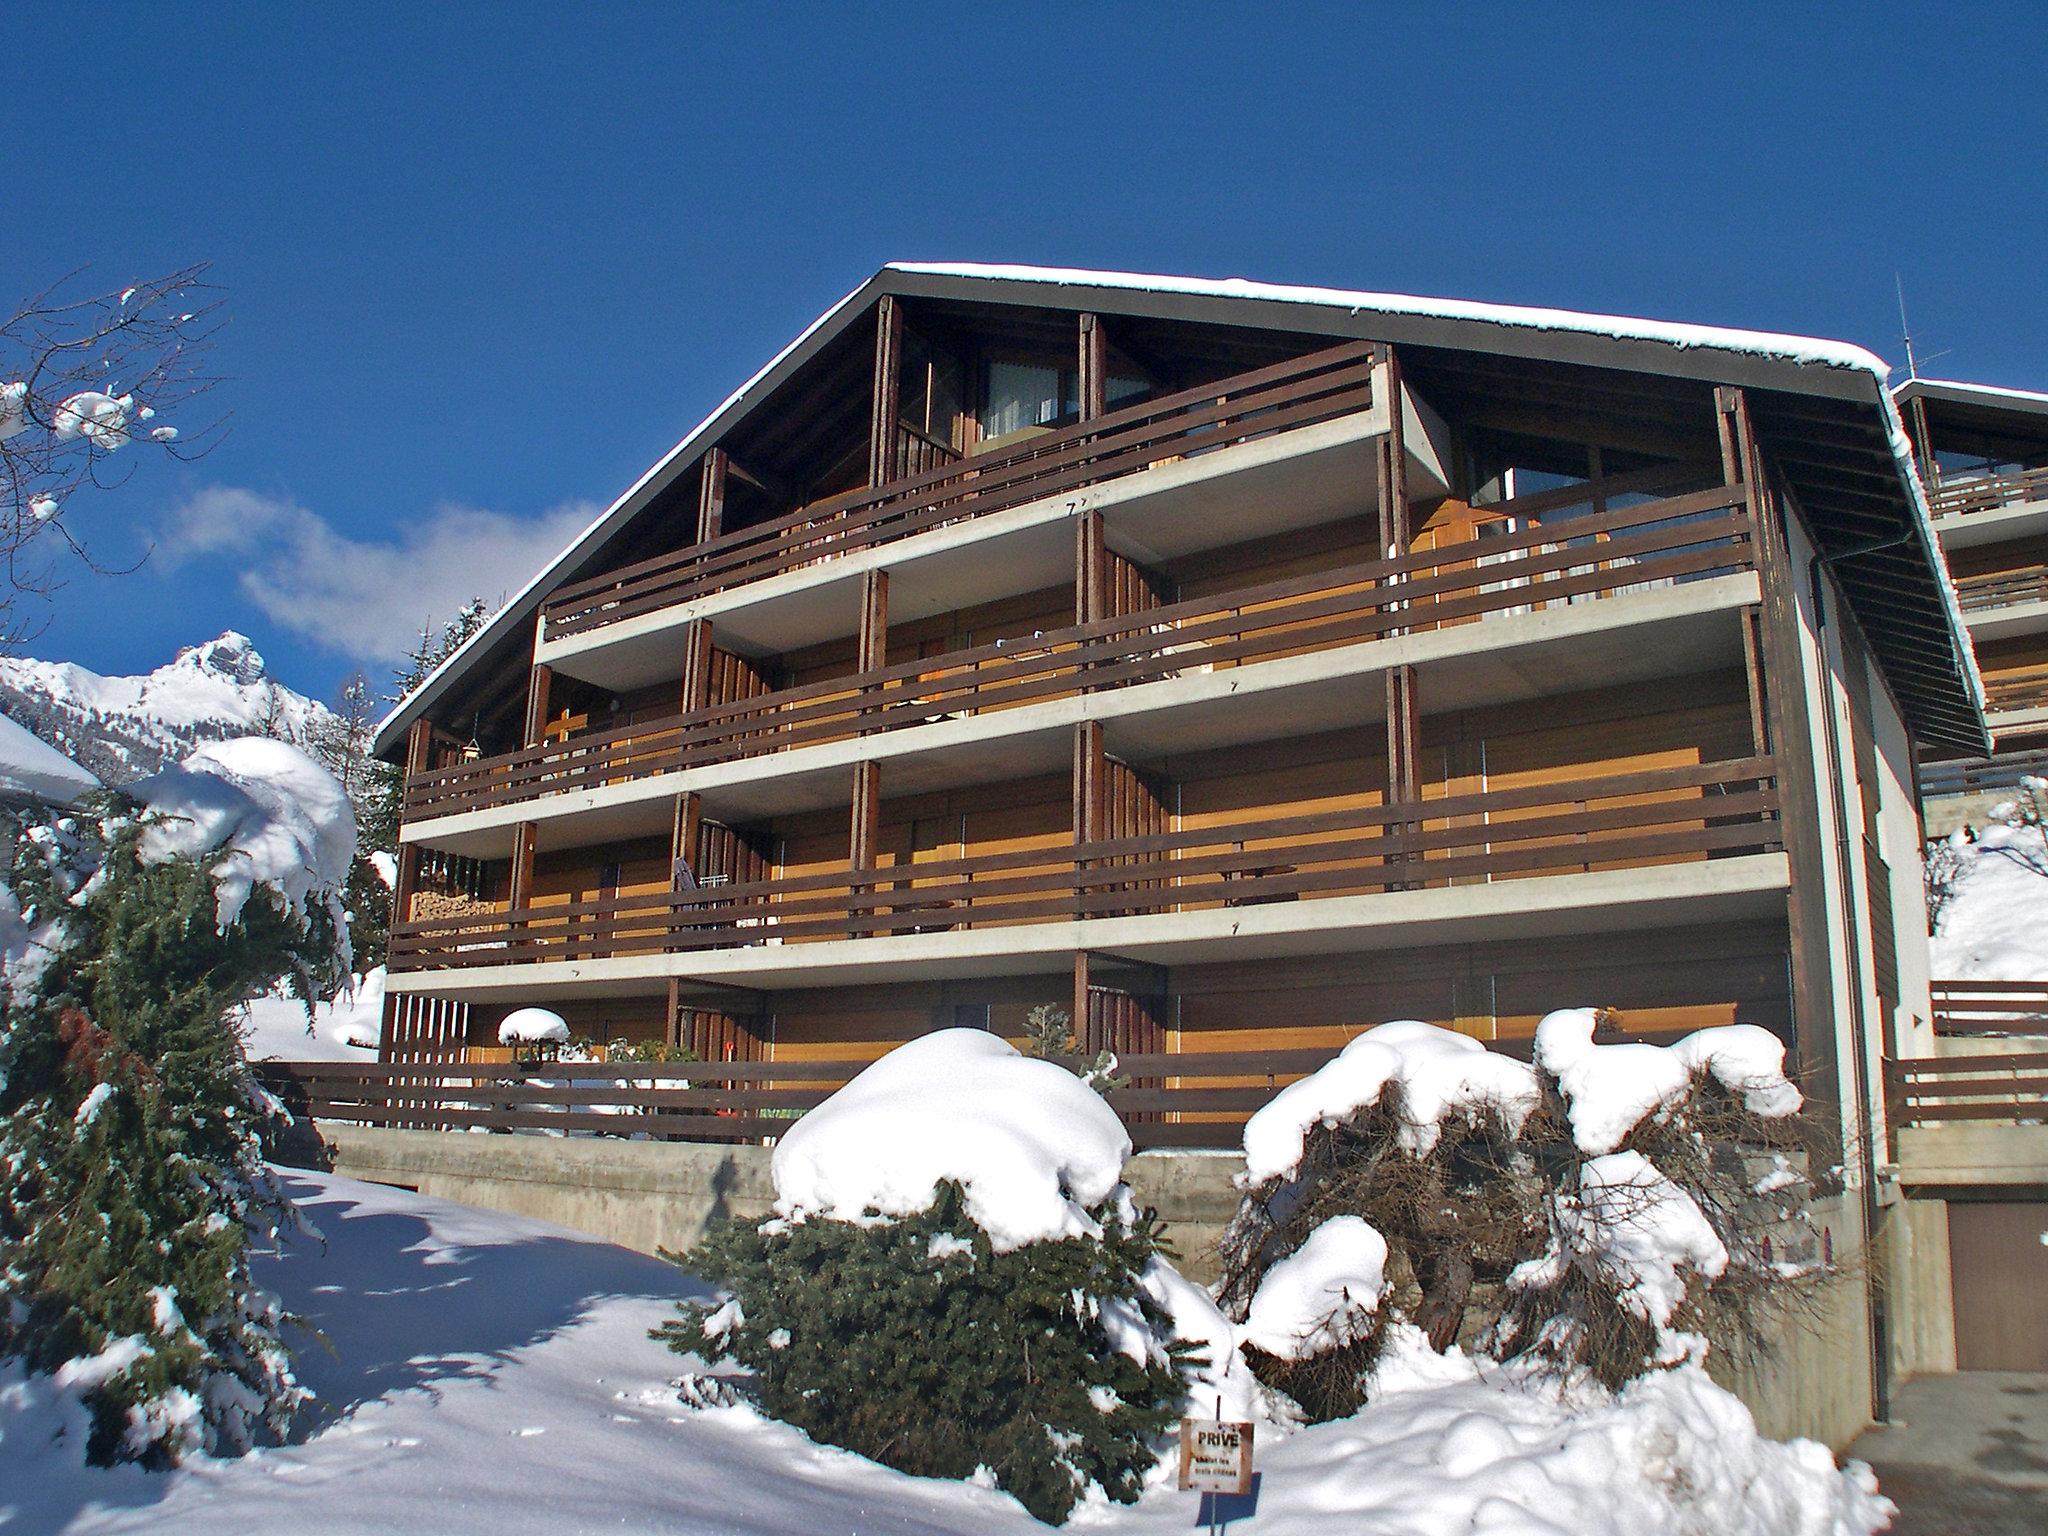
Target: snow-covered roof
[1760,359]
[1962,392]
[32,769]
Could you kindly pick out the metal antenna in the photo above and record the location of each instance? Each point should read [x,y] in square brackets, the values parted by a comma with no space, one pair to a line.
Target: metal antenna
[1905,330]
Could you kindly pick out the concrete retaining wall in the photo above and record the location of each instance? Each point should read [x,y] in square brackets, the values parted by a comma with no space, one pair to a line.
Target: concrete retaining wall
[650,1195]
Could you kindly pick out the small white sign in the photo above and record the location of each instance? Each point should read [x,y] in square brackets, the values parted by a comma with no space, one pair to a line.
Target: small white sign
[1215,1457]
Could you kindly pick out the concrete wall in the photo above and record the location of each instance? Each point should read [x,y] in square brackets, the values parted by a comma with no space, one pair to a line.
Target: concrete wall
[652,1195]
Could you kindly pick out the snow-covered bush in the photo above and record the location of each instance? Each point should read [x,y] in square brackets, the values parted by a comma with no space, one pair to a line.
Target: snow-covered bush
[1604,1211]
[956,1279]
[133,1180]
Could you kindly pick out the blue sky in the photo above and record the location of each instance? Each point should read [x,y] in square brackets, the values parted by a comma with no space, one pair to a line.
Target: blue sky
[484,264]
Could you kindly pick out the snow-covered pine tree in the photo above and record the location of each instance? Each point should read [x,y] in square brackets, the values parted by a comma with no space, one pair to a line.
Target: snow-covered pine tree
[340,742]
[917,1343]
[133,1183]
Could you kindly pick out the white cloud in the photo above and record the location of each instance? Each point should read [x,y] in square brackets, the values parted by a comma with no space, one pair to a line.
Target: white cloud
[366,599]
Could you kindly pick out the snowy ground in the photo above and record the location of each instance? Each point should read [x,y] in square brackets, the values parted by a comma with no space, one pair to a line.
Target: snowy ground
[491,1375]
[342,1028]
[1995,927]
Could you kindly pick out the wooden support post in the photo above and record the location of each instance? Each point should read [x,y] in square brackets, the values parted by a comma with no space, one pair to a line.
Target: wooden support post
[1091,569]
[539,684]
[686,827]
[871,649]
[672,1033]
[419,743]
[1094,369]
[696,682]
[520,892]
[1079,1022]
[867,814]
[1404,709]
[888,390]
[1781,713]
[711,495]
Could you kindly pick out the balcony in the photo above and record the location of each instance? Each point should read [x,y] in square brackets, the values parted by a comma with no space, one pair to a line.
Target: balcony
[1654,545]
[1973,496]
[1969,1120]
[1141,895]
[1286,397]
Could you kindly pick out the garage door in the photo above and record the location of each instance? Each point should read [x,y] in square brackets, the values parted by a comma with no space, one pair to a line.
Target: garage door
[1998,1256]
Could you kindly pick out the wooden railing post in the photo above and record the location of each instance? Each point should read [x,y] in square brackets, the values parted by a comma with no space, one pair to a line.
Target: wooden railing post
[711,495]
[887,398]
[1093,374]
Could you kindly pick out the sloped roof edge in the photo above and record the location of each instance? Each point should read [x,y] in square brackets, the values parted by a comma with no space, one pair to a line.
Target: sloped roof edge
[1766,359]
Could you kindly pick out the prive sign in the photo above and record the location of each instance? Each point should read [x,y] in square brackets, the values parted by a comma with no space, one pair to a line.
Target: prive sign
[1215,1457]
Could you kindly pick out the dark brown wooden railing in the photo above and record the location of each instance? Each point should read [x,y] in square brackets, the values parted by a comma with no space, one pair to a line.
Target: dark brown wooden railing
[1678,538]
[1174,1100]
[1980,775]
[1616,821]
[2002,589]
[1966,494]
[1300,393]
[1990,1007]
[2021,688]
[1930,1090]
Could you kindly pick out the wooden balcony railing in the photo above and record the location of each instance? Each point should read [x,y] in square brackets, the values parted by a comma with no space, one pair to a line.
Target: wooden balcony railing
[2021,688]
[739,1101]
[1932,1090]
[1678,538]
[1990,1007]
[1981,775]
[1616,821]
[1965,494]
[1283,397]
[2002,589]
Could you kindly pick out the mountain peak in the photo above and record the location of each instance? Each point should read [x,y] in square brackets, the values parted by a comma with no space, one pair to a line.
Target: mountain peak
[230,654]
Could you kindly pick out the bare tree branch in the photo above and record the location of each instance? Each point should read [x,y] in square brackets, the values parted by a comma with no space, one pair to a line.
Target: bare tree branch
[84,376]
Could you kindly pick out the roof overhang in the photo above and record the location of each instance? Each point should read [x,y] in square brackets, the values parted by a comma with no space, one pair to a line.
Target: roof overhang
[1928,662]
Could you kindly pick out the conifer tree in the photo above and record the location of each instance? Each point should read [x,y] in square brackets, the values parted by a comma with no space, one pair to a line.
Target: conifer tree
[133,1183]
[916,1343]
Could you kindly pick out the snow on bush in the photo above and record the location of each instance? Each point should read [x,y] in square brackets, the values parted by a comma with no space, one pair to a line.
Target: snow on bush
[1323,1295]
[957,1283]
[1031,1145]
[533,1026]
[1438,1073]
[274,816]
[1597,1211]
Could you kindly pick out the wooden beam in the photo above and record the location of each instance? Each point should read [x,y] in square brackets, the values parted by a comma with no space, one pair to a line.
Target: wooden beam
[1789,730]
[520,892]
[888,390]
[540,684]
[871,648]
[711,495]
[1404,709]
[419,746]
[1094,369]
[1079,1022]
[696,684]
[1091,574]
[867,814]
[686,825]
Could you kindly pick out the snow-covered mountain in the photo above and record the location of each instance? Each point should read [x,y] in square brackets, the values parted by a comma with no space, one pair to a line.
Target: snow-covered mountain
[125,727]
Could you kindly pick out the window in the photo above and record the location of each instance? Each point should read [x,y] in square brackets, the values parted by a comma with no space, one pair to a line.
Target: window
[1017,396]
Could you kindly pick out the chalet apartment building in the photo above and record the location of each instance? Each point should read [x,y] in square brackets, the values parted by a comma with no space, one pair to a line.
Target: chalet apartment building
[1983,455]
[1238,667]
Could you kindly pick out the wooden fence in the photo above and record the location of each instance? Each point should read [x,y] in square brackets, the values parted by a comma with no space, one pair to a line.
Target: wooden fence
[1284,397]
[1990,1007]
[1611,822]
[1931,1090]
[1678,538]
[1173,1100]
